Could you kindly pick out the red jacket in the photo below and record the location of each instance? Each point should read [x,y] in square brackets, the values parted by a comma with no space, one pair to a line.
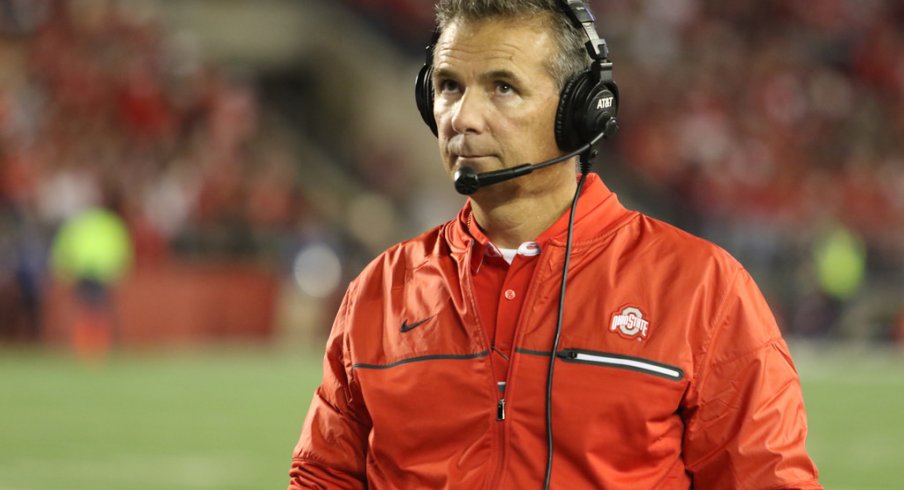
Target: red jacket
[671,371]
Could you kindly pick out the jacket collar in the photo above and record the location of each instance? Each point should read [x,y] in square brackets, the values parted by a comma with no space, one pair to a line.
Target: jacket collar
[598,211]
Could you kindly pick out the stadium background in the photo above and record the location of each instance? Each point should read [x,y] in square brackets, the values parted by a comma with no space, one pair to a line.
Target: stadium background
[202,178]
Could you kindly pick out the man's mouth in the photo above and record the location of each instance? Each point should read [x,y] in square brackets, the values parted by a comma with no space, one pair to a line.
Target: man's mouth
[469,159]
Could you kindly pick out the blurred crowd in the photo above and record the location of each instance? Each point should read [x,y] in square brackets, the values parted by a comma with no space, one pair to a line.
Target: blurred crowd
[772,127]
[101,107]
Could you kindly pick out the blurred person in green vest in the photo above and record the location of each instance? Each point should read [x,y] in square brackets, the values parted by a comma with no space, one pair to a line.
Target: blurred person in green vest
[839,260]
[840,263]
[92,252]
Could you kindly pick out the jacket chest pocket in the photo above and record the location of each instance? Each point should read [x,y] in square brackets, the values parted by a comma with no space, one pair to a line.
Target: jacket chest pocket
[613,401]
[619,361]
[634,388]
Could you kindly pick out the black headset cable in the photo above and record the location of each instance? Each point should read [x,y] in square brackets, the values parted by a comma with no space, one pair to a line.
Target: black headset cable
[585,167]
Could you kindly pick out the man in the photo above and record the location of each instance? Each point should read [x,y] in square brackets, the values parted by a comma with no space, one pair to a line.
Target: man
[670,371]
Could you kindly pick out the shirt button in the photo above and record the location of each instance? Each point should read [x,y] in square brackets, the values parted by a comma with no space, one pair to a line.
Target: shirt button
[509,294]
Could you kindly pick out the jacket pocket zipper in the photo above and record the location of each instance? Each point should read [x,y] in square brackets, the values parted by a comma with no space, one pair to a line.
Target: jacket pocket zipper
[622,362]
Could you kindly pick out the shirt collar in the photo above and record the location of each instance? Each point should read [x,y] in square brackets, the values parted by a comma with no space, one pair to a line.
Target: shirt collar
[598,208]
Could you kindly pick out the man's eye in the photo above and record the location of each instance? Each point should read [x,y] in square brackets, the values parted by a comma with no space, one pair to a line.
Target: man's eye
[504,88]
[445,86]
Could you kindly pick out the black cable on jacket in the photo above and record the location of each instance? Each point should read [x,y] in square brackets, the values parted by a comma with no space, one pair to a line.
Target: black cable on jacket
[555,343]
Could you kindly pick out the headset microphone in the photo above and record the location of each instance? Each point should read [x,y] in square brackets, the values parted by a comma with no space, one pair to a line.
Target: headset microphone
[468,181]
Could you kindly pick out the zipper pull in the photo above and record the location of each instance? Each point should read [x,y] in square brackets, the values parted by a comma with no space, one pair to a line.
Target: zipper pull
[500,409]
[567,354]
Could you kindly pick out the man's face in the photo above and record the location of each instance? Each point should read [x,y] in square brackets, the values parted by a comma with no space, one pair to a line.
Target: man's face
[495,100]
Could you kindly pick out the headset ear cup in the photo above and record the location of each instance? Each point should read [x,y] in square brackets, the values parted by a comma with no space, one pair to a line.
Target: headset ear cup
[569,121]
[585,109]
[423,95]
[607,118]
[600,107]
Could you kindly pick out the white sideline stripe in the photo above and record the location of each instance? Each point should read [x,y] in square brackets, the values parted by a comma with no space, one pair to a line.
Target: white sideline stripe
[629,362]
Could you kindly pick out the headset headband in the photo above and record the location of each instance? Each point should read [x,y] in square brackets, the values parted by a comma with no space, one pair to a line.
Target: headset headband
[582,18]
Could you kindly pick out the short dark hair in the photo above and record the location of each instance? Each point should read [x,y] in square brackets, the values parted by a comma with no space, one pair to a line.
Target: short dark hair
[570,59]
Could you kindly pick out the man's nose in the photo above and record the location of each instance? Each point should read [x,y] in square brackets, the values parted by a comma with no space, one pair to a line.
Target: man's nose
[469,113]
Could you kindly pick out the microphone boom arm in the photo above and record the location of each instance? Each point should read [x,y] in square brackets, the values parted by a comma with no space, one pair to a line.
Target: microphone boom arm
[468,181]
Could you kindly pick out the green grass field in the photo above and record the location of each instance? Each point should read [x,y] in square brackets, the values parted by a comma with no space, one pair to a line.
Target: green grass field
[228,419]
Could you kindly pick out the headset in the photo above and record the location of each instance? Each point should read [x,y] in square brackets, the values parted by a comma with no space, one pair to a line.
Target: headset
[586,113]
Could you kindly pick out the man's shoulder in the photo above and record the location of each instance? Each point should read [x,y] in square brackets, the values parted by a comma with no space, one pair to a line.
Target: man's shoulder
[406,255]
[669,242]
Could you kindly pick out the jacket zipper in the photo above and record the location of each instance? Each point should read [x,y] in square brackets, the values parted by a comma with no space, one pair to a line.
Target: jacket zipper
[500,397]
[622,362]
[500,406]
[500,431]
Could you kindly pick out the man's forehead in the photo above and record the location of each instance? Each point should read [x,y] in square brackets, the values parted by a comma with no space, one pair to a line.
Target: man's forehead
[507,41]
[501,26]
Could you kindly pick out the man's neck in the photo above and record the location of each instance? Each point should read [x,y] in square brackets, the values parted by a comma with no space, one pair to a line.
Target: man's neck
[511,215]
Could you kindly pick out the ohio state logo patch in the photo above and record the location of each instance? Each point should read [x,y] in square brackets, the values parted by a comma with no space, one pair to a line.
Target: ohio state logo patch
[630,324]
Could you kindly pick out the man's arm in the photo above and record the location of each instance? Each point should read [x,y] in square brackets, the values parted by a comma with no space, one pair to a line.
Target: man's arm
[332,449]
[746,424]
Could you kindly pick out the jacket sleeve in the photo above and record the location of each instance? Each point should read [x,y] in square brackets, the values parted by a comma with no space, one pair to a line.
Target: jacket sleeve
[332,449]
[747,427]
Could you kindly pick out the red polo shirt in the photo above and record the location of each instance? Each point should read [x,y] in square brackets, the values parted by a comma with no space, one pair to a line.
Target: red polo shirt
[500,288]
